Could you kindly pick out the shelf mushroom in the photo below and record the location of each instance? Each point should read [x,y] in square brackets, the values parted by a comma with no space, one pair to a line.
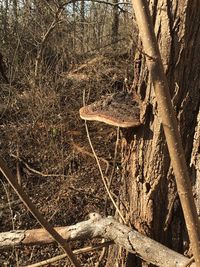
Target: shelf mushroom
[118,109]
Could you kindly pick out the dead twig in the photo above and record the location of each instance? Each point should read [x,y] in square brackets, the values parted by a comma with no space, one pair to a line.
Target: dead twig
[84,192]
[190,261]
[5,206]
[18,167]
[100,170]
[114,165]
[76,252]
[84,151]
[35,171]
[44,223]
[103,2]
[45,37]
[103,253]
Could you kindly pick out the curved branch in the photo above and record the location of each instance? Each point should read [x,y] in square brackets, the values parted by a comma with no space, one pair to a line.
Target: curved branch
[43,222]
[101,2]
[108,228]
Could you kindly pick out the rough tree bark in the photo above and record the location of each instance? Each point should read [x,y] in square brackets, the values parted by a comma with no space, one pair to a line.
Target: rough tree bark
[149,190]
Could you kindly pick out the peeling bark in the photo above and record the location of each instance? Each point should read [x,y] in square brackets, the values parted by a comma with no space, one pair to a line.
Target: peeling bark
[107,228]
[149,189]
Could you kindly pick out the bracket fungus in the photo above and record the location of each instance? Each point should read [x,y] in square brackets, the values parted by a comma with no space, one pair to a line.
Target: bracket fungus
[118,109]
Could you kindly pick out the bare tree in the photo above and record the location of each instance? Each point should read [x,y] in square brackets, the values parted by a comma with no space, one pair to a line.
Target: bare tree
[15,13]
[115,23]
[82,13]
[4,10]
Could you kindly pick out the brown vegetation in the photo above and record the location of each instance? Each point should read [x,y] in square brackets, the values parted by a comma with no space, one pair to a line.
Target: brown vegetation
[54,56]
[42,137]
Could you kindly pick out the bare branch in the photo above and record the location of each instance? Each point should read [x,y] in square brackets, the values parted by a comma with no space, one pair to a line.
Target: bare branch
[35,171]
[101,2]
[76,251]
[108,228]
[84,151]
[26,200]
[45,37]
[100,170]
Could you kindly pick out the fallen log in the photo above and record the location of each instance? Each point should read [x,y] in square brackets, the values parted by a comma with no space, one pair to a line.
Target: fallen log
[107,228]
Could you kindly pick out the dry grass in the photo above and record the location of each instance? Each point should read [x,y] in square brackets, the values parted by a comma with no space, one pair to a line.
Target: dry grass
[42,125]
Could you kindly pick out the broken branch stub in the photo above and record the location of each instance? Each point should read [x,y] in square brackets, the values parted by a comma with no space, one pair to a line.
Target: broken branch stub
[119,109]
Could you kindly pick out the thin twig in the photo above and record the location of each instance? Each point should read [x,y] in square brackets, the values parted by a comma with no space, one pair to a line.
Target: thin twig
[100,170]
[170,212]
[114,165]
[7,205]
[62,148]
[35,171]
[17,166]
[102,2]
[76,251]
[84,151]
[190,261]
[45,37]
[115,158]
[104,250]
[103,253]
[84,192]
[40,218]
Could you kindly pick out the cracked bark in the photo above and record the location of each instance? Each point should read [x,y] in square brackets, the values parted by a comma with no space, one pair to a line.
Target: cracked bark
[149,189]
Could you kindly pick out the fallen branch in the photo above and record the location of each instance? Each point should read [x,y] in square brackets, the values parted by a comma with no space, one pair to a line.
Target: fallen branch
[108,228]
[36,171]
[35,212]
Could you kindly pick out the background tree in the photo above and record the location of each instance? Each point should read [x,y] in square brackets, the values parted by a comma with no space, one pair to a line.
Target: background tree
[115,23]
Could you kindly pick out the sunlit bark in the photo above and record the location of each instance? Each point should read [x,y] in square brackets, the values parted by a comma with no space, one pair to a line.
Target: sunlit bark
[149,188]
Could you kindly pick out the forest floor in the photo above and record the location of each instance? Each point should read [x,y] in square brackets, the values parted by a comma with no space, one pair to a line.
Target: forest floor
[44,142]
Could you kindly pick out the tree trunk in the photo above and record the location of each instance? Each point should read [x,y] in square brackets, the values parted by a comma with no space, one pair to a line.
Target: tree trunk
[5,20]
[15,13]
[115,24]
[82,26]
[149,189]
[74,26]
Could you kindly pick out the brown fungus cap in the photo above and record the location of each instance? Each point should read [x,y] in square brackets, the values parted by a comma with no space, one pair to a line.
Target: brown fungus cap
[119,109]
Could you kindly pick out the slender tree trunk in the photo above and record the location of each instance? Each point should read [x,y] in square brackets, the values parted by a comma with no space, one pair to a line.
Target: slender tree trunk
[115,24]
[74,26]
[5,20]
[15,13]
[82,26]
[149,190]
